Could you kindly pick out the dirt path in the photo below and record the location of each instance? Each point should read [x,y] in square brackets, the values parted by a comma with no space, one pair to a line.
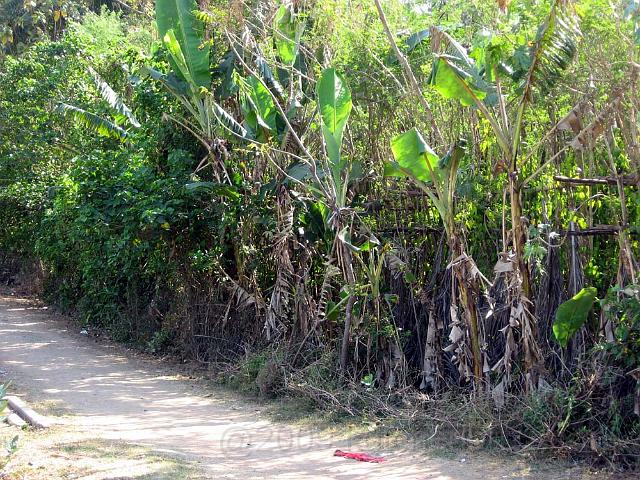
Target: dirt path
[122,417]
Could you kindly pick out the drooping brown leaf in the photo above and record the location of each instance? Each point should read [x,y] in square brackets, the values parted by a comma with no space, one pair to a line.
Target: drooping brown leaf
[586,138]
[503,5]
[573,120]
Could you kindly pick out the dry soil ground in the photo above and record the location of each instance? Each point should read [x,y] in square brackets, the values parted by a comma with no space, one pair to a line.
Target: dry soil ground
[119,416]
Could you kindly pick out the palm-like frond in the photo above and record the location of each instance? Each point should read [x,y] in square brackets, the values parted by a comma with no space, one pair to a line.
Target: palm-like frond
[554,48]
[112,98]
[244,299]
[330,272]
[92,121]
[227,120]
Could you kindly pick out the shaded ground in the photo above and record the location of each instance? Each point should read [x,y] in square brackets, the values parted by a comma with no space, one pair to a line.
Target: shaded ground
[122,417]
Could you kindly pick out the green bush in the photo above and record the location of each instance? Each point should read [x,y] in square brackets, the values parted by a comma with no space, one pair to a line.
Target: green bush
[621,307]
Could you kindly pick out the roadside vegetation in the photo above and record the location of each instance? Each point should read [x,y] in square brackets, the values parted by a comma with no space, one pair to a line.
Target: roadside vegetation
[419,210]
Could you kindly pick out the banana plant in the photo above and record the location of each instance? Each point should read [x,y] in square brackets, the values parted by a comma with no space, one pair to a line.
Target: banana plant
[262,120]
[456,76]
[260,95]
[372,256]
[434,175]
[181,29]
[287,34]
[334,105]
[182,34]
[437,177]
[330,178]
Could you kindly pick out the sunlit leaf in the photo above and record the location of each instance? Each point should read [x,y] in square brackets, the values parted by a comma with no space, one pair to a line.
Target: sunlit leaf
[572,314]
[454,83]
[177,55]
[188,32]
[412,157]
[334,98]
[287,34]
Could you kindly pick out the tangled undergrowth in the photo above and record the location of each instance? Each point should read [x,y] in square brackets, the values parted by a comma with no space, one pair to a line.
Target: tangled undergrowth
[585,419]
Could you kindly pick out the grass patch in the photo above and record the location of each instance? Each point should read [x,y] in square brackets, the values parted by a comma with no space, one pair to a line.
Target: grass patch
[40,459]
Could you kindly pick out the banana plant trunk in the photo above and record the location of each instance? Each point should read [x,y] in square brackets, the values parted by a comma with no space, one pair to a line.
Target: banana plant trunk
[351,280]
[468,292]
[518,232]
[533,359]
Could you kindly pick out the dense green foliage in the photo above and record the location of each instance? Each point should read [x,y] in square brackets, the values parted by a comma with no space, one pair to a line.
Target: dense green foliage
[407,191]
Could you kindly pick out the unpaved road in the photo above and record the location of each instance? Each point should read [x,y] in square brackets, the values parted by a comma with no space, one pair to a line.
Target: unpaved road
[108,402]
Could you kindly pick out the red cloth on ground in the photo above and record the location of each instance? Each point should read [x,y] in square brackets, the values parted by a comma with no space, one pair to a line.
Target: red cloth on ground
[361,457]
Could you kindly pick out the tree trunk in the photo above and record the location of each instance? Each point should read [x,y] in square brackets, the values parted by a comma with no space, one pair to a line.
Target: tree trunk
[468,293]
[529,327]
[351,280]
[468,300]
[518,233]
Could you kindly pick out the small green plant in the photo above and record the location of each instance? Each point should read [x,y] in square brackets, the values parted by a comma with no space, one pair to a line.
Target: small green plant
[3,392]
[159,341]
[367,380]
[11,445]
[259,373]
[622,307]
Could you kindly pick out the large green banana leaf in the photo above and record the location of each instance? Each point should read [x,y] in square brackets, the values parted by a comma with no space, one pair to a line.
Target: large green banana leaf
[572,314]
[334,100]
[413,157]
[177,16]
